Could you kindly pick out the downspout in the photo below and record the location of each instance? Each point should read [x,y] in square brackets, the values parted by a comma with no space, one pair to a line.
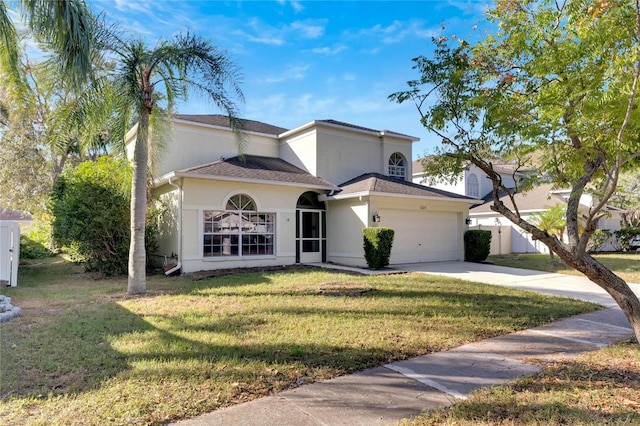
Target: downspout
[179,264]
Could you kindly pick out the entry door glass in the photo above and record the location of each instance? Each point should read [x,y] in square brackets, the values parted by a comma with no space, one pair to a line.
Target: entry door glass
[310,241]
[311,232]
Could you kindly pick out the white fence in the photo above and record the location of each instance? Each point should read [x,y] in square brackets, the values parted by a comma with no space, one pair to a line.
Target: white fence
[9,253]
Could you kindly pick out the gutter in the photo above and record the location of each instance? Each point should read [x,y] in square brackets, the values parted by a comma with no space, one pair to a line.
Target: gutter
[179,264]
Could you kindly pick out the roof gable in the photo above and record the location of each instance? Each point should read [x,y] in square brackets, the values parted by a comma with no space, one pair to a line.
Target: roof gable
[378,183]
[219,120]
[256,168]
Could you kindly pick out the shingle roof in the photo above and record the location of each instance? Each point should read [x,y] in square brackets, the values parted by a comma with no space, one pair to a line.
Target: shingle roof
[366,129]
[10,214]
[254,167]
[538,198]
[223,121]
[376,182]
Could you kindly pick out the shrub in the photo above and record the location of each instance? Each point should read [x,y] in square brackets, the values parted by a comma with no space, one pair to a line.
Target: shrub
[625,236]
[477,245]
[91,215]
[598,238]
[377,246]
[35,241]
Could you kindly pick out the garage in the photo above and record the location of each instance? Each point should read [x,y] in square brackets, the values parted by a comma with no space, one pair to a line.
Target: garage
[423,236]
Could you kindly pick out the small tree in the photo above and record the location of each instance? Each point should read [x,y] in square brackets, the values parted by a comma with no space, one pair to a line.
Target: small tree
[552,221]
[377,246]
[554,88]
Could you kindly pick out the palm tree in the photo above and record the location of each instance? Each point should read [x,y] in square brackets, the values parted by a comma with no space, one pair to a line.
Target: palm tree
[553,221]
[64,27]
[146,84]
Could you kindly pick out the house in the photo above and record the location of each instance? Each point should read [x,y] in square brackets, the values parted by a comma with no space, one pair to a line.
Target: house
[300,195]
[506,236]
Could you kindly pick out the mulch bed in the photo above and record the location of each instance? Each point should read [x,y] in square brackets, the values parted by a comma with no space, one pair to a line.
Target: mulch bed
[201,275]
[343,289]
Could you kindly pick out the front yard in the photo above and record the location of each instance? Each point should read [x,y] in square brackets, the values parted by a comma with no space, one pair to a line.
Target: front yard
[81,352]
[625,265]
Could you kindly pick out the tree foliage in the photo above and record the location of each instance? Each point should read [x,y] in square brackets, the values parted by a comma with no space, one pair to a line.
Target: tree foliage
[144,87]
[553,88]
[38,140]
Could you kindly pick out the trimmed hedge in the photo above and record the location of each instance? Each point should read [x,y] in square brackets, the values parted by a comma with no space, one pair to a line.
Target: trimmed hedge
[477,245]
[377,246]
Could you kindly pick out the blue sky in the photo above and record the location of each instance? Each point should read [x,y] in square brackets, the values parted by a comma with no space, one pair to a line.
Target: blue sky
[310,60]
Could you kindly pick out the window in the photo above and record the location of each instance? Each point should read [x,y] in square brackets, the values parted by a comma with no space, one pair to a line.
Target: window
[473,189]
[239,230]
[397,165]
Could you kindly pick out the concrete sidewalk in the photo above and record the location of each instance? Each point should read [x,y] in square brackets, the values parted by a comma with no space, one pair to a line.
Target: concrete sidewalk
[390,393]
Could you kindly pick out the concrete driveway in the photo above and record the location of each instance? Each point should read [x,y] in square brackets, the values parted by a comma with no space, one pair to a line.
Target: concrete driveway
[572,286]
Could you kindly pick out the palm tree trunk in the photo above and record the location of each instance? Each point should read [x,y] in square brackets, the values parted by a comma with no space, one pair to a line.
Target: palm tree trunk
[137,257]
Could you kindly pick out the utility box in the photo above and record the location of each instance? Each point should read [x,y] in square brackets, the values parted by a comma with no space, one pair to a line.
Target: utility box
[9,252]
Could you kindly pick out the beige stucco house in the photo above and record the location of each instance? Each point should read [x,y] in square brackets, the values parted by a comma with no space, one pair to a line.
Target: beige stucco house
[302,195]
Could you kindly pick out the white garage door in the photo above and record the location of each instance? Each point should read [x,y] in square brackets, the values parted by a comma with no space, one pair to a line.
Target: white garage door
[423,236]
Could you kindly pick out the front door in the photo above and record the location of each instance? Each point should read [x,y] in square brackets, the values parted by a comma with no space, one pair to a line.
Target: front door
[310,236]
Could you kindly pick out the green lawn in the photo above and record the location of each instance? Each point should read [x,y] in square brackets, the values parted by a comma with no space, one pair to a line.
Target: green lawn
[598,388]
[625,265]
[81,352]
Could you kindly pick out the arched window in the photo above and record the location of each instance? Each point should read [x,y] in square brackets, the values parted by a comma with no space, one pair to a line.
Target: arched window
[239,230]
[473,188]
[309,200]
[397,165]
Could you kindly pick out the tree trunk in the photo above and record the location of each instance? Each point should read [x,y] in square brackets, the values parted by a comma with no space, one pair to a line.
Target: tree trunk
[583,262]
[137,257]
[612,284]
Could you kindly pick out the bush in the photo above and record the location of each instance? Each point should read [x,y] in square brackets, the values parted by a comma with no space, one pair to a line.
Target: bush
[626,236]
[477,245]
[35,241]
[91,216]
[598,238]
[377,246]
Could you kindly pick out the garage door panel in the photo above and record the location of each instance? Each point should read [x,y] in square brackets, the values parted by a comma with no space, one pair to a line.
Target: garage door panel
[423,236]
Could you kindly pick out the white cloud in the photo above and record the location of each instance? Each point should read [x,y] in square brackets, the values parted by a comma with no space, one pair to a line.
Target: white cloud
[296,5]
[348,76]
[329,50]
[292,72]
[309,28]
[398,31]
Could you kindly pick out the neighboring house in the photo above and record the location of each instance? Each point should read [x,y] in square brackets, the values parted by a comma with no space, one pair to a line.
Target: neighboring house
[506,236]
[22,218]
[296,196]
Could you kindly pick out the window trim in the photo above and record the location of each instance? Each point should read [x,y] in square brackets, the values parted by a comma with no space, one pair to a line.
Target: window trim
[397,165]
[247,234]
[473,185]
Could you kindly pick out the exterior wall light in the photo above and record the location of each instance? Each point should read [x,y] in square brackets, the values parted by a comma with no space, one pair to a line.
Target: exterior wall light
[376,217]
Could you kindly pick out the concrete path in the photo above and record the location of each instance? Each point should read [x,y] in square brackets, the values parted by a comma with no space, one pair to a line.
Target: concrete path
[390,393]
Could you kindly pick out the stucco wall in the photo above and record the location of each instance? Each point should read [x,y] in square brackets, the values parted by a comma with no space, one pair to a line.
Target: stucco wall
[168,202]
[301,151]
[345,221]
[195,145]
[201,195]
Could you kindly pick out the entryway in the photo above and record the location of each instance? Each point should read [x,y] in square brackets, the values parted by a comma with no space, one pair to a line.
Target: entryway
[311,233]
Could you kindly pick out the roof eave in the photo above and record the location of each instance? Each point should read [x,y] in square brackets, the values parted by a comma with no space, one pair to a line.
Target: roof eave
[257,181]
[225,128]
[372,132]
[394,195]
